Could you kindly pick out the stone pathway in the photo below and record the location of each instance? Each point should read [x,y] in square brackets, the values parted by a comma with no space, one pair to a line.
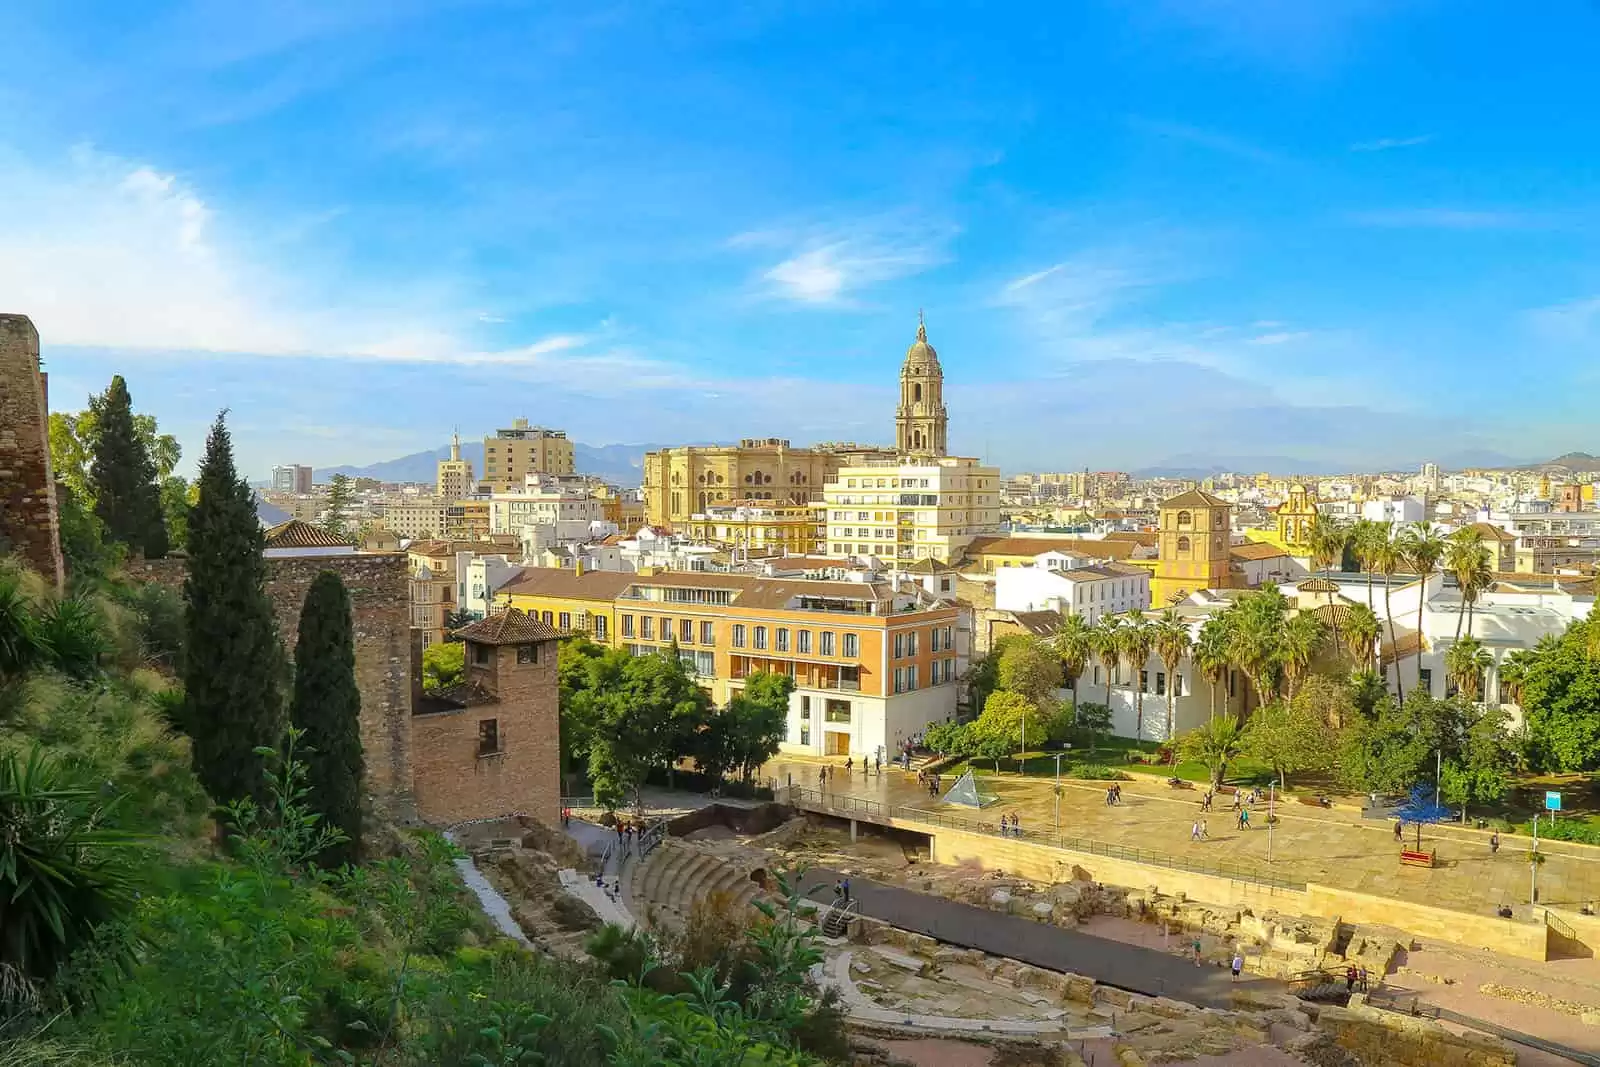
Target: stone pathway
[494,905]
[1112,963]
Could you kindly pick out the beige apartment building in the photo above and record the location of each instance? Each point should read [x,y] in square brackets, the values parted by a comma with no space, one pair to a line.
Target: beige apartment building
[454,478]
[763,527]
[416,517]
[912,508]
[513,454]
[682,482]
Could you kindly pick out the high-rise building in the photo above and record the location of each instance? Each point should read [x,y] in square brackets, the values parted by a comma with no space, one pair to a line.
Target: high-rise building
[513,454]
[914,507]
[291,478]
[682,482]
[920,422]
[455,474]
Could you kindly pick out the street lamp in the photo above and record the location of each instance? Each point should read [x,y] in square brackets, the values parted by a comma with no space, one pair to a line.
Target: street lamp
[1272,795]
[1067,746]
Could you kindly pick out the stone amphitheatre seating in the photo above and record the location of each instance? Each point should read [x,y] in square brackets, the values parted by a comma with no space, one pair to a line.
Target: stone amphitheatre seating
[662,890]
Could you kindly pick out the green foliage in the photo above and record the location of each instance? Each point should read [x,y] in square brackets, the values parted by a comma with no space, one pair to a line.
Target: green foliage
[1481,771]
[326,708]
[1215,744]
[234,688]
[648,716]
[1559,687]
[72,632]
[341,498]
[746,733]
[443,665]
[1385,753]
[61,872]
[1565,830]
[1093,719]
[22,646]
[158,615]
[123,478]
[1030,668]
[1290,736]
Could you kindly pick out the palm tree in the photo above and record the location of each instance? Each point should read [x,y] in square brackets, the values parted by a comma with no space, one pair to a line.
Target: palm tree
[1107,648]
[1364,536]
[1467,558]
[1137,638]
[1255,638]
[1074,644]
[1362,629]
[1384,552]
[1422,547]
[1326,539]
[1466,662]
[1303,635]
[1211,655]
[1214,744]
[1514,671]
[1172,645]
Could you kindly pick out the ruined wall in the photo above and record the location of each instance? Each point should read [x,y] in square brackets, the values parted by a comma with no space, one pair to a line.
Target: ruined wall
[380,606]
[28,524]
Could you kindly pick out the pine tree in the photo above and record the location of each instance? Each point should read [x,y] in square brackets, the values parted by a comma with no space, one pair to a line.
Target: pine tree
[234,670]
[327,706]
[127,498]
[341,497]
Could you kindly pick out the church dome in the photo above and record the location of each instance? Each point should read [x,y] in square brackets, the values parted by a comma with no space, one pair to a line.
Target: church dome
[921,352]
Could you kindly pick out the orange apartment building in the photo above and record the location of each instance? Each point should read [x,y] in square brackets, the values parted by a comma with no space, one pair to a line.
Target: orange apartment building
[873,661]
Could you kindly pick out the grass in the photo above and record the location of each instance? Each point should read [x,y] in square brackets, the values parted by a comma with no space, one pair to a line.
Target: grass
[1112,752]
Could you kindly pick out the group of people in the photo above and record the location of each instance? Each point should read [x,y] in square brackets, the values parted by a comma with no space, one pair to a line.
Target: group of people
[930,782]
[1010,825]
[867,766]
[841,892]
[1114,796]
[626,833]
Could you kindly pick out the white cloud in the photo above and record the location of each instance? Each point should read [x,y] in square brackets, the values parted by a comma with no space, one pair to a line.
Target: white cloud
[1573,322]
[1282,337]
[1210,139]
[832,266]
[1384,144]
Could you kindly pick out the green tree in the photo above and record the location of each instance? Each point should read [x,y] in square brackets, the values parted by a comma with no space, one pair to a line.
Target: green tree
[1386,751]
[341,499]
[1094,720]
[1468,662]
[233,674]
[1384,556]
[1029,666]
[443,665]
[326,708]
[647,719]
[1559,689]
[123,478]
[1422,548]
[1327,539]
[1255,626]
[1362,631]
[983,677]
[1074,644]
[1172,645]
[1482,772]
[1215,744]
[759,718]
[1211,655]
[1302,638]
[1467,557]
[1137,638]
[1107,648]
[1290,736]
[1002,722]
[584,669]
[21,645]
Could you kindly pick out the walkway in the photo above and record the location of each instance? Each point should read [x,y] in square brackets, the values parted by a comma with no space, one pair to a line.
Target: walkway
[1140,970]
[1331,847]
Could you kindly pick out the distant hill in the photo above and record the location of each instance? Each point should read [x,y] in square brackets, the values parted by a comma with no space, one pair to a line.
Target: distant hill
[1194,467]
[622,464]
[1573,461]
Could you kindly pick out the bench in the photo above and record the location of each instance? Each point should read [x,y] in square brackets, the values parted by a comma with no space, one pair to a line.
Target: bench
[1180,784]
[1314,802]
[1413,858]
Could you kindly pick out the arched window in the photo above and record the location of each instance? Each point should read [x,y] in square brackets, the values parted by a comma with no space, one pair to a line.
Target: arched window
[916,392]
[1185,519]
[1183,544]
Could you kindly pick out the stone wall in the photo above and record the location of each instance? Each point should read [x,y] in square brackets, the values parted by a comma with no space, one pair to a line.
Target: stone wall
[28,523]
[380,605]
[453,782]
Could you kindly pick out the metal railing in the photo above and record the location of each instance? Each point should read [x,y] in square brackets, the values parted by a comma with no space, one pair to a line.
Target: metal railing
[838,917]
[845,804]
[1413,1005]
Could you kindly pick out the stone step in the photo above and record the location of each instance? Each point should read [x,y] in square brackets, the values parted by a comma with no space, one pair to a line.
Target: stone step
[658,874]
[690,883]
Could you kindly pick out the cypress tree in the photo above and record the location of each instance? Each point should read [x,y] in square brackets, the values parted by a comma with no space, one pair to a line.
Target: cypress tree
[122,476]
[233,672]
[327,706]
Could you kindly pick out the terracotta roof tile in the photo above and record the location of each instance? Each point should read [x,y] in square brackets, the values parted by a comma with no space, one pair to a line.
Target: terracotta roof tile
[298,534]
[1256,550]
[1318,585]
[1195,498]
[509,627]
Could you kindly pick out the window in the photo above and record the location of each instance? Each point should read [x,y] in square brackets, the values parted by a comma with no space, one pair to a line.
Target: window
[1161,683]
[852,646]
[708,634]
[627,626]
[899,645]
[527,653]
[805,707]
[911,643]
[647,627]
[1426,680]
[738,635]
[805,734]
[599,627]
[549,619]
[705,663]
[666,628]
[488,737]
[1144,681]
[1183,544]
[933,639]
[565,620]
[783,639]
[686,631]
[1185,519]
[911,677]
[825,644]
[761,637]
[837,711]
[480,653]
[803,642]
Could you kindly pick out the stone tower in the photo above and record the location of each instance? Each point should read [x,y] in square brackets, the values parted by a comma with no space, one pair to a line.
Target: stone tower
[920,420]
[28,522]
[1193,546]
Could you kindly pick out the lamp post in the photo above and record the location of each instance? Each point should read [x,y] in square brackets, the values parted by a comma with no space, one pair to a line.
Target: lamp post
[1272,795]
[1533,865]
[1058,794]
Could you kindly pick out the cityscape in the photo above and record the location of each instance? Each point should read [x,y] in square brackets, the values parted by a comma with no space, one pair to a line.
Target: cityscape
[529,590]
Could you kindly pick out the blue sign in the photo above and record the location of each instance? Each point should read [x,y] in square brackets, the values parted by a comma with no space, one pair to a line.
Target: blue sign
[1552,801]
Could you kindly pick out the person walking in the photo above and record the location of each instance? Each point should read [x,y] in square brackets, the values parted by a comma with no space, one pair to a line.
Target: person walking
[1197,950]
[1244,819]
[878,764]
[1205,835]
[849,764]
[1494,842]
[1399,829]
[1238,966]
[845,885]
[1194,832]
[1350,974]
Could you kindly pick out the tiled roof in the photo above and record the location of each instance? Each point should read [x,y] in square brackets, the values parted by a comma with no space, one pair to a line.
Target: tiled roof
[749,591]
[298,534]
[1004,545]
[1256,550]
[1104,570]
[1492,533]
[1038,623]
[927,565]
[1147,538]
[509,627]
[1195,498]
[1318,585]
[1335,615]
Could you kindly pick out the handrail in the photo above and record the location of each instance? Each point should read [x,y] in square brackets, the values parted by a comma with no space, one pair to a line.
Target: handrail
[844,804]
[838,908]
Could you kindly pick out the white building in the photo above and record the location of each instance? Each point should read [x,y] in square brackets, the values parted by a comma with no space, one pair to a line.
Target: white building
[483,575]
[567,511]
[1090,590]
[1394,509]
[908,509]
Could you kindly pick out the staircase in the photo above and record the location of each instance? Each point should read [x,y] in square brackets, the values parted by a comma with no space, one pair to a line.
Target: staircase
[836,920]
[662,890]
[1325,986]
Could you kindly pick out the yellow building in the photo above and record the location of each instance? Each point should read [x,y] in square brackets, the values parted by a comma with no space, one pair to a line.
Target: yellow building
[466,519]
[1192,546]
[1295,516]
[920,422]
[916,507]
[758,526]
[513,454]
[872,663]
[688,480]
[624,509]
[454,477]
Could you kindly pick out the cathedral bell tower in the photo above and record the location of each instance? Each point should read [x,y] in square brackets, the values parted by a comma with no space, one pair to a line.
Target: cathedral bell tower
[920,420]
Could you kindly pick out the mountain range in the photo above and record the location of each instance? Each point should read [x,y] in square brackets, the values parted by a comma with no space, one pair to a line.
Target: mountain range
[1195,467]
[621,464]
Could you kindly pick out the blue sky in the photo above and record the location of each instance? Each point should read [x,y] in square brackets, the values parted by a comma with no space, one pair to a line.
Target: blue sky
[1336,230]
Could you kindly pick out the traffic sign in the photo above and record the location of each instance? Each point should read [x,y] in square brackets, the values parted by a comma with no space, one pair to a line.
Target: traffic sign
[1552,801]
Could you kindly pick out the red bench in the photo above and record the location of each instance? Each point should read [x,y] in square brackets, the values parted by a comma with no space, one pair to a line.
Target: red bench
[1413,858]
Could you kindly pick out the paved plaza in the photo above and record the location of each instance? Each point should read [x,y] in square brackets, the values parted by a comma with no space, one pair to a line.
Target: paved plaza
[1334,847]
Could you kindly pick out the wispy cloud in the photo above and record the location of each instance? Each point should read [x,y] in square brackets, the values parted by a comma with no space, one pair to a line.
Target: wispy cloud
[1574,322]
[1445,218]
[1281,338]
[1214,140]
[831,267]
[1384,144]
